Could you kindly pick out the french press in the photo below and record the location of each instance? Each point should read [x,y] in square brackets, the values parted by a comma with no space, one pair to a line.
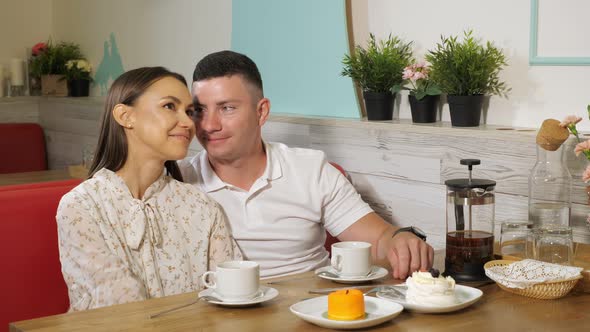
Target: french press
[470,226]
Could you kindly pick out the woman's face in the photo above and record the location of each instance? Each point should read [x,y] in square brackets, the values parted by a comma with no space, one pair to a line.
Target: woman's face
[162,127]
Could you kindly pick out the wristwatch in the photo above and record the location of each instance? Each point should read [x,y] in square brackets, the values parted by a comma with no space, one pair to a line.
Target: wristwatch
[414,230]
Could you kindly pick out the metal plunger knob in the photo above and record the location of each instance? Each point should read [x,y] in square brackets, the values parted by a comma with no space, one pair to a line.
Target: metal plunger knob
[470,163]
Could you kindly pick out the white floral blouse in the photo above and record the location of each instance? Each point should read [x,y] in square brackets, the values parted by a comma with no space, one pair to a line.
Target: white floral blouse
[116,249]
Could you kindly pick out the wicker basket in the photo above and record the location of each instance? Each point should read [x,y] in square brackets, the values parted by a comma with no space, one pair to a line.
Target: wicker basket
[544,291]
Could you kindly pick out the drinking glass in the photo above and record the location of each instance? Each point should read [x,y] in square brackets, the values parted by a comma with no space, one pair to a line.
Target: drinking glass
[554,244]
[514,239]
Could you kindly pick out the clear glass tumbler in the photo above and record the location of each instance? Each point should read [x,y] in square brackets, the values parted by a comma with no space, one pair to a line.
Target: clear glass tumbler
[515,237]
[554,244]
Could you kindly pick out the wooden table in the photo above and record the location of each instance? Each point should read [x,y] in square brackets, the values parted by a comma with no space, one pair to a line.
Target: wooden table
[33,177]
[497,310]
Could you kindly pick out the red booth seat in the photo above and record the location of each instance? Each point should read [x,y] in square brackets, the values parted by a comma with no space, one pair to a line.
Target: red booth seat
[22,148]
[31,282]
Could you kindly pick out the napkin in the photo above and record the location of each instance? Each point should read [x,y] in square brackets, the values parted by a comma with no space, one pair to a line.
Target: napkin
[529,272]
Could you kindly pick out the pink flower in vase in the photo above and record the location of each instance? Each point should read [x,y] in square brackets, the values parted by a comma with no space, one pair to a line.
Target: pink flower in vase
[586,175]
[570,120]
[583,147]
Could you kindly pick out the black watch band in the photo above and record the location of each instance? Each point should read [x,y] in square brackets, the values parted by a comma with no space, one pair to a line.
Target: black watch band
[414,230]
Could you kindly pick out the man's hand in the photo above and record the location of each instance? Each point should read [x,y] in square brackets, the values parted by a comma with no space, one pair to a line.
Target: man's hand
[407,253]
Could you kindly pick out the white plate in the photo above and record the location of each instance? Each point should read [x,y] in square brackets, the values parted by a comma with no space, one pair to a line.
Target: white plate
[315,311]
[377,272]
[268,293]
[466,296]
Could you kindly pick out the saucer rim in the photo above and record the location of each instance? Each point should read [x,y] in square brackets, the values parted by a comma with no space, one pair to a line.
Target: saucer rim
[378,274]
[476,294]
[269,294]
[351,324]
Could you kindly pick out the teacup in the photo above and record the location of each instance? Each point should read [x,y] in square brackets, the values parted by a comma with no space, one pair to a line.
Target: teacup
[234,280]
[351,258]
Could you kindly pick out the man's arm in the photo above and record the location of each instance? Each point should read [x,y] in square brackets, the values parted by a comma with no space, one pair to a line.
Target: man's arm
[405,252]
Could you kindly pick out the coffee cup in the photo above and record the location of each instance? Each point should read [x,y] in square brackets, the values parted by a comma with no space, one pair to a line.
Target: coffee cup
[234,280]
[351,258]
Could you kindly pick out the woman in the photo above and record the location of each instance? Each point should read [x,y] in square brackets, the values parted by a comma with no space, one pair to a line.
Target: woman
[133,230]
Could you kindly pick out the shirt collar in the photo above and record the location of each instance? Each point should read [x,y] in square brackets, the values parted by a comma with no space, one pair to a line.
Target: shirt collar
[211,182]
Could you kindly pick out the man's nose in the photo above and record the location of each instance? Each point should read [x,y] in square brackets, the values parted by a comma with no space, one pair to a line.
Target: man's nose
[209,122]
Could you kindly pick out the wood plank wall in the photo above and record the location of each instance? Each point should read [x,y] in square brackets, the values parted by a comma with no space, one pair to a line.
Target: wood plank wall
[398,167]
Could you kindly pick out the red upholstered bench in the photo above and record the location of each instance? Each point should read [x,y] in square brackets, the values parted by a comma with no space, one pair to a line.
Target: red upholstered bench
[22,147]
[31,282]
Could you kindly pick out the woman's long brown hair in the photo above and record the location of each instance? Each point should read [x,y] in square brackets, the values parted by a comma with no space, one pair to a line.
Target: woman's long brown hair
[111,150]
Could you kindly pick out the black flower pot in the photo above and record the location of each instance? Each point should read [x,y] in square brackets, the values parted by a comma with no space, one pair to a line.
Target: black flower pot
[424,110]
[465,110]
[78,88]
[379,105]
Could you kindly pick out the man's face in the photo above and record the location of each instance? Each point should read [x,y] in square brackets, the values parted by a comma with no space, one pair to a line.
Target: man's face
[229,116]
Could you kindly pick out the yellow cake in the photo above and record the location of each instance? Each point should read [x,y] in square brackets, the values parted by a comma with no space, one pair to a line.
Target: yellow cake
[346,304]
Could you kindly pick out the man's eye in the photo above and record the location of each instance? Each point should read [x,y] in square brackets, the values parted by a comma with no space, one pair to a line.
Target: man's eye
[190,112]
[228,108]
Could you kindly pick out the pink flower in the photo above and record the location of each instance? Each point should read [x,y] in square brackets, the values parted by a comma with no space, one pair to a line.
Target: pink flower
[581,147]
[570,120]
[586,175]
[419,75]
[408,73]
[38,48]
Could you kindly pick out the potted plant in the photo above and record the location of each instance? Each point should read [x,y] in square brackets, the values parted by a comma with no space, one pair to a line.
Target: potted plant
[78,76]
[378,71]
[424,93]
[467,71]
[48,62]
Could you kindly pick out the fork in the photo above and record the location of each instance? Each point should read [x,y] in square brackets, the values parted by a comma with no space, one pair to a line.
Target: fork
[206,298]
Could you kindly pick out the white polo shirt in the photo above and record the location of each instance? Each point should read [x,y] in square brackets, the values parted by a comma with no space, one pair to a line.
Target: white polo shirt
[281,221]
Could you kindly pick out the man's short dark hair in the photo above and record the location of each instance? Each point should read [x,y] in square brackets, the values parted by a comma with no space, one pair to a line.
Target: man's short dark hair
[227,63]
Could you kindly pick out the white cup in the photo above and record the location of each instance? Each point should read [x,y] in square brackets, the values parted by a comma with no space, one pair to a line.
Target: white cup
[234,280]
[351,258]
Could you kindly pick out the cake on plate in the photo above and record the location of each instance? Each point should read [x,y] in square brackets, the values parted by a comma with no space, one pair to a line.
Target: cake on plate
[346,304]
[424,289]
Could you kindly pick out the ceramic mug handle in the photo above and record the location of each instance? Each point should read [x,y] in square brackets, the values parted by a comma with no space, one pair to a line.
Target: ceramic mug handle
[206,282]
[337,263]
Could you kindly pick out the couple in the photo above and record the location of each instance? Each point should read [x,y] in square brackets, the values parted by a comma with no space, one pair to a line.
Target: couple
[135,230]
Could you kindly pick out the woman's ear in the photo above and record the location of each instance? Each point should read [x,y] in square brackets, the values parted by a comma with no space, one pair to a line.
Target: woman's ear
[123,114]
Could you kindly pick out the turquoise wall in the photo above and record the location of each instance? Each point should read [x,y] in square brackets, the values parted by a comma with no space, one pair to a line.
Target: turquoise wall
[298,47]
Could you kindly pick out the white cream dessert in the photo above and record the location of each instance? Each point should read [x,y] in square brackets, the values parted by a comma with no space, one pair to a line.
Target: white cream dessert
[423,289]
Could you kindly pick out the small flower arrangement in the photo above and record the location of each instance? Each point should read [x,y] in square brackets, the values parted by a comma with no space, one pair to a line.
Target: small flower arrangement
[48,58]
[417,75]
[570,122]
[583,147]
[78,69]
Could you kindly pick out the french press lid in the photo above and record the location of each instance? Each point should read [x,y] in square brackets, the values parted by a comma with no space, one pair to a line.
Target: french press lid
[462,184]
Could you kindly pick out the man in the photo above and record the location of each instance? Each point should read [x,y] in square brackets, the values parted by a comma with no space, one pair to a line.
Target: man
[280,200]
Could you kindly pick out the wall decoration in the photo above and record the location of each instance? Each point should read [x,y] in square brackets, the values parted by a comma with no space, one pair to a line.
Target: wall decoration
[110,67]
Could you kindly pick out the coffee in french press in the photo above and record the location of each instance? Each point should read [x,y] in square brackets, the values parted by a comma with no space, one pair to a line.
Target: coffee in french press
[470,226]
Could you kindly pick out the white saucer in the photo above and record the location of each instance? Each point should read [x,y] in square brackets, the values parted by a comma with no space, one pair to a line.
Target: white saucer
[377,272]
[466,296]
[268,293]
[315,311]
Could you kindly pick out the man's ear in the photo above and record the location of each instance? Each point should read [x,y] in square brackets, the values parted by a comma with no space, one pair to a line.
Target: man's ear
[263,110]
[123,114]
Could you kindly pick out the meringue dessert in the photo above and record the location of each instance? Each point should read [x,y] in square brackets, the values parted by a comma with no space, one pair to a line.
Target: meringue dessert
[346,304]
[424,289]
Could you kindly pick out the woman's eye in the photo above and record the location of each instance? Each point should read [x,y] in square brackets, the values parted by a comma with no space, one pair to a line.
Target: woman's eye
[170,106]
